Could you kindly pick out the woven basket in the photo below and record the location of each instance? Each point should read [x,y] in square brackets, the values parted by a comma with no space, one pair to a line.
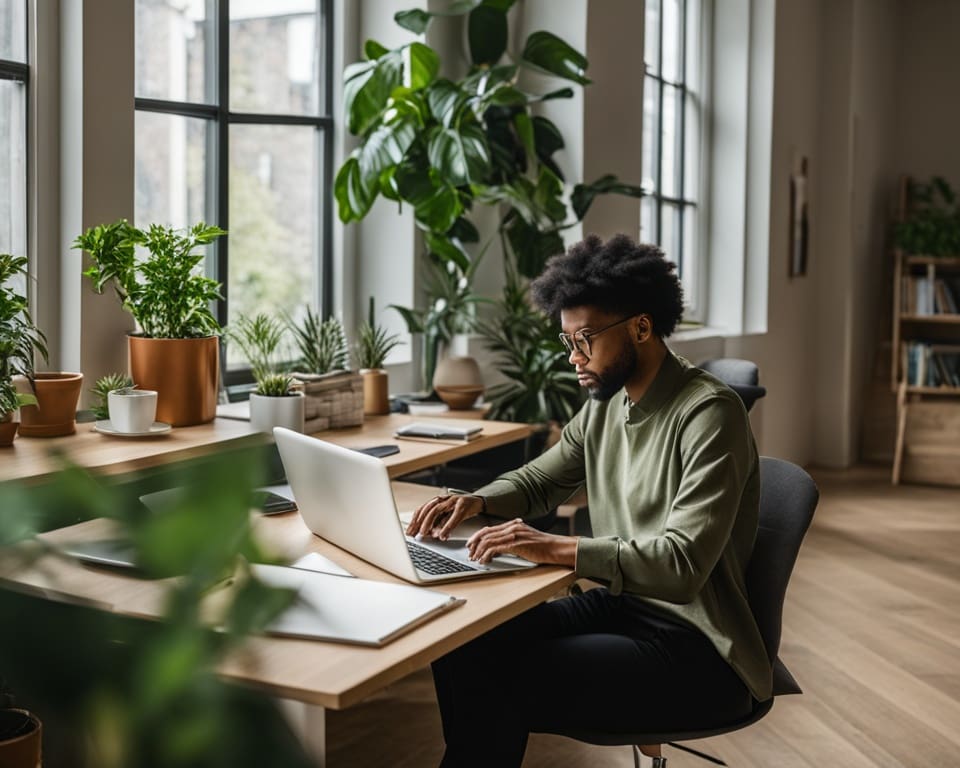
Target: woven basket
[332,400]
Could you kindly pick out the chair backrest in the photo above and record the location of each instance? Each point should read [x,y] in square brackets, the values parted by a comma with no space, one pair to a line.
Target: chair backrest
[788,498]
[731,370]
[741,376]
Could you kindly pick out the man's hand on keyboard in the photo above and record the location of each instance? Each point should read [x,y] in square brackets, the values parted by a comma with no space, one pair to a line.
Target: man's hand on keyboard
[515,537]
[439,516]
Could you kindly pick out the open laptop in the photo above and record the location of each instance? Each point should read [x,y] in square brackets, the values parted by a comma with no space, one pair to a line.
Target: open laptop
[345,497]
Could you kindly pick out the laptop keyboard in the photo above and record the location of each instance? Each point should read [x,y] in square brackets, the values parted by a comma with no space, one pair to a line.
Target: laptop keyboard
[430,562]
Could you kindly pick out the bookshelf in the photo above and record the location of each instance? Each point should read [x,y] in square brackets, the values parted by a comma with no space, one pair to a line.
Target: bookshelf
[925,368]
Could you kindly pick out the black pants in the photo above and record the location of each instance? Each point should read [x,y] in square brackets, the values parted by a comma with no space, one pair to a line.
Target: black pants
[591,662]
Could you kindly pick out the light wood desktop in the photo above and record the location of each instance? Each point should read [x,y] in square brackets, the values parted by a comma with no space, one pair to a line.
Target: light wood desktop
[316,674]
[33,459]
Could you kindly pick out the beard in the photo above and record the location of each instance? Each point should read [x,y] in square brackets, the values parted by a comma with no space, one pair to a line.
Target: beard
[611,379]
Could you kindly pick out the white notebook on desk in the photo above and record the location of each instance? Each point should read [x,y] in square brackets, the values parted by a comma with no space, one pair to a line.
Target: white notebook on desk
[347,610]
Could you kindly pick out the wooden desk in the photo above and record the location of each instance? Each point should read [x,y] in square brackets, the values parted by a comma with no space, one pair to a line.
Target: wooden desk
[422,454]
[318,674]
[31,458]
[34,459]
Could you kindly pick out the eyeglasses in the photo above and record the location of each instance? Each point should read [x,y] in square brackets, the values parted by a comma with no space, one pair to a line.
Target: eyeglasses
[579,341]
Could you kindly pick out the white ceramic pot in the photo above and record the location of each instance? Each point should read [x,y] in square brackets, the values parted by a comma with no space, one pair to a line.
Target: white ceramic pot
[132,410]
[269,412]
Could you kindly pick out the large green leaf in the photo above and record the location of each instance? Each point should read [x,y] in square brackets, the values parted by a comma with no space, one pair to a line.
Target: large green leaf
[354,196]
[367,88]
[436,205]
[422,65]
[449,249]
[531,246]
[548,196]
[487,34]
[524,126]
[374,50]
[583,195]
[548,52]
[548,140]
[416,20]
[464,230]
[460,157]
[443,98]
[383,148]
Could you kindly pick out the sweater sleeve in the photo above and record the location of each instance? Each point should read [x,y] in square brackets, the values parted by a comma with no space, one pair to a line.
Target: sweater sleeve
[540,485]
[716,456]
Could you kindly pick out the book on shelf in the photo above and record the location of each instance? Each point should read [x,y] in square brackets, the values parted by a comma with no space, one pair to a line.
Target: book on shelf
[931,365]
[945,300]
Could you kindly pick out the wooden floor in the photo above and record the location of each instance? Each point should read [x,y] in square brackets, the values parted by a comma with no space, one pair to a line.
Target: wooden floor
[871,632]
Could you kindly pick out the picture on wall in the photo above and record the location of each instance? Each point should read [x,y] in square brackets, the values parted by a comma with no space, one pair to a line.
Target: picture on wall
[799,223]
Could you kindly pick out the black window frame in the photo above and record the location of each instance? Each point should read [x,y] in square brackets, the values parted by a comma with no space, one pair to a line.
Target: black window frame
[19,72]
[219,169]
[681,200]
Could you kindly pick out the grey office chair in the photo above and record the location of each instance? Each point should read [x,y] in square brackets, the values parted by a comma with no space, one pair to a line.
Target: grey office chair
[742,376]
[788,498]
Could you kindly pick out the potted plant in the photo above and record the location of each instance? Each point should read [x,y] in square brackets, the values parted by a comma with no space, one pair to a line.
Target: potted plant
[373,346]
[334,393]
[932,223]
[20,733]
[442,145]
[176,351]
[123,691]
[104,386]
[274,403]
[20,342]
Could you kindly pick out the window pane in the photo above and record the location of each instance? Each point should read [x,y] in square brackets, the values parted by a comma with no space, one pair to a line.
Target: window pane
[648,220]
[672,39]
[670,232]
[651,36]
[691,148]
[13,173]
[274,56]
[691,250]
[274,187]
[13,30]
[172,170]
[651,135]
[691,75]
[670,142]
[175,50]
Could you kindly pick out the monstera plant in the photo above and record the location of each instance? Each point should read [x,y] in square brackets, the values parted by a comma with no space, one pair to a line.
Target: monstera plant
[442,145]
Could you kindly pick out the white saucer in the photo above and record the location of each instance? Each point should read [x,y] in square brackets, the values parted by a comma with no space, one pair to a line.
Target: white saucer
[106,428]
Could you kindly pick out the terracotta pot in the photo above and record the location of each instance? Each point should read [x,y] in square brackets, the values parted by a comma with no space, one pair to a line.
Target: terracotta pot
[56,411]
[23,750]
[185,374]
[376,391]
[269,412]
[459,398]
[8,430]
[457,372]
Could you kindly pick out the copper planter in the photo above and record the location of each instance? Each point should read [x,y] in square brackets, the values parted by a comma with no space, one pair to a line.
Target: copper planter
[185,374]
[55,413]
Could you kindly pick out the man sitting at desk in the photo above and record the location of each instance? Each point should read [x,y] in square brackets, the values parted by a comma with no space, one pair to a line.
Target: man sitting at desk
[672,473]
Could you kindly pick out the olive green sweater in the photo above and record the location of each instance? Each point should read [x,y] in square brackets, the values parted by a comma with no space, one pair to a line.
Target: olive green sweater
[674,489]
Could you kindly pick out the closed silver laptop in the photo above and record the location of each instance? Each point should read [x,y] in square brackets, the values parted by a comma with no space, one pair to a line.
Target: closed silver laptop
[345,497]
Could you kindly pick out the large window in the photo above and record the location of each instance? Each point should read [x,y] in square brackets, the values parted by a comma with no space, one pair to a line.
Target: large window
[233,127]
[14,75]
[673,109]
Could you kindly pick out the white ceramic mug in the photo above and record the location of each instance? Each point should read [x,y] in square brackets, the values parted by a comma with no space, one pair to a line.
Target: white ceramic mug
[132,410]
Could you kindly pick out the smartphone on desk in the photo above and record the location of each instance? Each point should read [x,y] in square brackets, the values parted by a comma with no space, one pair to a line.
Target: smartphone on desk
[270,503]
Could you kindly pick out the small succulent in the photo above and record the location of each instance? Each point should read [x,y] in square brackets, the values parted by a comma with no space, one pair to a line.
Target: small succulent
[274,385]
[322,344]
[105,385]
[373,342]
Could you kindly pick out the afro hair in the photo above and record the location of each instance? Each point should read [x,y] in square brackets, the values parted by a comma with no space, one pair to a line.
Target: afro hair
[618,276]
